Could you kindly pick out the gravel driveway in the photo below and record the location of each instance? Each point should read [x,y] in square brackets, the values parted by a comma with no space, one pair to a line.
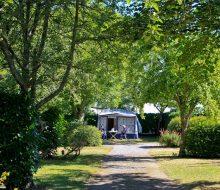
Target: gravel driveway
[129,167]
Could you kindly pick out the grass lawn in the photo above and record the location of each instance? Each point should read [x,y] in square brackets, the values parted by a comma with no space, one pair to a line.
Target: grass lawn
[149,139]
[191,172]
[70,173]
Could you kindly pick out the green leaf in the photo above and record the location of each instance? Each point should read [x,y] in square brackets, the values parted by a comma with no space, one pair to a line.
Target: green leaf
[128,1]
[155,6]
[180,2]
[147,4]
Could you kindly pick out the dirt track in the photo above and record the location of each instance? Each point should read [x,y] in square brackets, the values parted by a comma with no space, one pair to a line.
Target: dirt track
[129,167]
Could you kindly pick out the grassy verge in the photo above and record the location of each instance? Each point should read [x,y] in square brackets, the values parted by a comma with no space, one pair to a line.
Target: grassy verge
[70,173]
[149,139]
[191,172]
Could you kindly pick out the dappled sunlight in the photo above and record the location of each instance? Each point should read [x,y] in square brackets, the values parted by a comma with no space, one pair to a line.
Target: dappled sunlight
[70,173]
[191,172]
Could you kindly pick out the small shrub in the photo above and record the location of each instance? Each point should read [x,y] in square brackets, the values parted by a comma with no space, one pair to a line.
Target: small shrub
[174,125]
[170,138]
[203,140]
[90,135]
[83,136]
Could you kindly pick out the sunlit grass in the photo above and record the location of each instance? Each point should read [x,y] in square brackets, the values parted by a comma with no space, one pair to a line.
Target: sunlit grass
[70,173]
[193,173]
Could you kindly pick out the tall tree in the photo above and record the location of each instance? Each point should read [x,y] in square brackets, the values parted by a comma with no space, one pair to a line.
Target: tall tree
[27,28]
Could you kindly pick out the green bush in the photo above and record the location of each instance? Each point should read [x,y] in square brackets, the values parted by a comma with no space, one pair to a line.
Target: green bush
[202,121]
[19,139]
[203,140]
[69,131]
[170,138]
[89,135]
[174,125]
[83,136]
[53,131]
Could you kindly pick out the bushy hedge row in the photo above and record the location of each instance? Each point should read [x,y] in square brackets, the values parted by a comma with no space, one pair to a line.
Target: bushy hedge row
[174,124]
[19,139]
[203,140]
[202,137]
[150,122]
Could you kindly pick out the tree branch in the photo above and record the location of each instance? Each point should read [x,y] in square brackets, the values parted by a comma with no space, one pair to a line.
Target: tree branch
[35,21]
[10,56]
[45,29]
[69,65]
[39,50]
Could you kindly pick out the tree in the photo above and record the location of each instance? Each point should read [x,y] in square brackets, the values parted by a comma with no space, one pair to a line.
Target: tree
[24,53]
[38,42]
[184,78]
[178,65]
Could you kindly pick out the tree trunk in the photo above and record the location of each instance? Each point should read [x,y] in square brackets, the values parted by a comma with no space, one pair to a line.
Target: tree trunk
[184,125]
[161,108]
[159,125]
[81,116]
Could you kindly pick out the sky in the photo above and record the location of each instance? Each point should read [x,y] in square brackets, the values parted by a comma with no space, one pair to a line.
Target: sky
[149,108]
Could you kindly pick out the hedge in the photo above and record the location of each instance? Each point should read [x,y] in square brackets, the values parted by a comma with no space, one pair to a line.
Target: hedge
[19,139]
[203,141]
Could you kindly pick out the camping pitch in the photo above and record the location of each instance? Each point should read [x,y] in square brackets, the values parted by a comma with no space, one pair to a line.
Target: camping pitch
[112,122]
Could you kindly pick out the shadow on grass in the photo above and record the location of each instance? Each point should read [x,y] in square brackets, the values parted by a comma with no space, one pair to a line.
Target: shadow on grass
[70,160]
[68,179]
[131,181]
[152,146]
[204,185]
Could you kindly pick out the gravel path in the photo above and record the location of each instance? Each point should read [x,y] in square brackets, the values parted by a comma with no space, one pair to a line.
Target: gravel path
[129,167]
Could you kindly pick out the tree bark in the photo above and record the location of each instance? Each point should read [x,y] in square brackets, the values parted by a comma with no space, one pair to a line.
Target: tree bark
[161,108]
[185,114]
[184,125]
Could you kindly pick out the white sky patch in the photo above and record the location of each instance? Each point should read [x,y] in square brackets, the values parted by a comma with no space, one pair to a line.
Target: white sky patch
[149,108]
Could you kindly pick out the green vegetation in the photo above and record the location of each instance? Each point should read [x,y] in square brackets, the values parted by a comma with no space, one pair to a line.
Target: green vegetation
[70,173]
[204,140]
[174,125]
[169,138]
[82,136]
[109,54]
[18,139]
[202,136]
[191,172]
[51,131]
